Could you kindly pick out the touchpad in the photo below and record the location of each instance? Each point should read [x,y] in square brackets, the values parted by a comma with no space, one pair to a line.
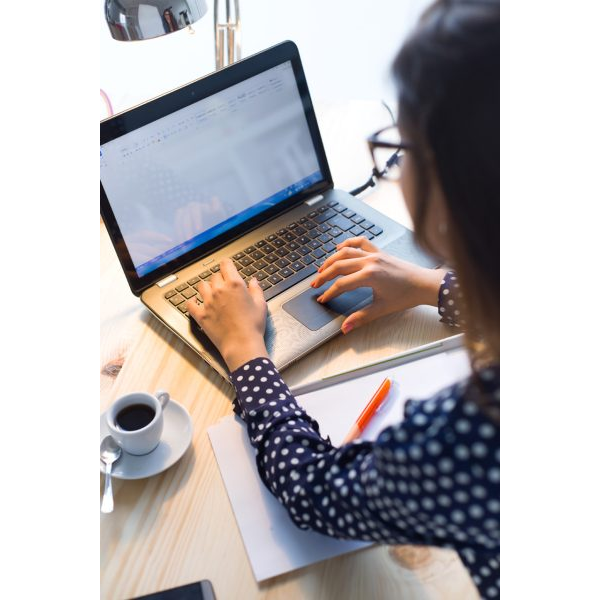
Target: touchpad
[313,315]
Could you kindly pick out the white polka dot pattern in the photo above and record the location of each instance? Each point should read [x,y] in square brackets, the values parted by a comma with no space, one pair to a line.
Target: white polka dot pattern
[433,478]
[450,301]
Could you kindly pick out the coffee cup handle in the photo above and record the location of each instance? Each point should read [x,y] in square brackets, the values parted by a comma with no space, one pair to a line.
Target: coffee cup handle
[163,397]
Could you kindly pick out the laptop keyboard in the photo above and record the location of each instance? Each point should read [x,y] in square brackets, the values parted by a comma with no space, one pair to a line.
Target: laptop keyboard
[288,255]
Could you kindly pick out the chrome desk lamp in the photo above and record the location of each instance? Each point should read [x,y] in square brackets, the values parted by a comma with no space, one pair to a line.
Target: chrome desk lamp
[132,20]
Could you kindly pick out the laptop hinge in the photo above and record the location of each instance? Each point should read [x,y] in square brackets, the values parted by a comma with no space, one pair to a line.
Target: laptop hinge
[166,281]
[314,200]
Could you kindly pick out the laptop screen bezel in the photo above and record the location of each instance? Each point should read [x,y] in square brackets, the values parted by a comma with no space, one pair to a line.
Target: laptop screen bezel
[150,111]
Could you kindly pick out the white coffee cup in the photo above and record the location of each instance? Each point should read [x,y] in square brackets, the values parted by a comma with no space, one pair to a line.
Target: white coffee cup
[143,440]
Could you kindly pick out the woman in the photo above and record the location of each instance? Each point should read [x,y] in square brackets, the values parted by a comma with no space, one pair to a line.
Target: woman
[434,477]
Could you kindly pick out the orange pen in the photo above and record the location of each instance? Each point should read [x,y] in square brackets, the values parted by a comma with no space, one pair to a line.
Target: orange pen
[367,414]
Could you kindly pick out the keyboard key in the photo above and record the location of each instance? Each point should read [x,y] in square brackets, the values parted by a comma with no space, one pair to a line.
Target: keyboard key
[257,255]
[248,271]
[250,249]
[314,234]
[299,230]
[292,246]
[332,203]
[324,227]
[205,274]
[170,294]
[187,294]
[274,279]
[357,230]
[265,285]
[345,236]
[304,239]
[282,251]
[335,231]
[246,261]
[318,253]
[286,272]
[348,213]
[324,238]
[367,224]
[267,248]
[181,287]
[340,208]
[271,269]
[322,209]
[297,266]
[216,268]
[303,250]
[260,264]
[369,235]
[281,232]
[271,258]
[293,256]
[328,214]
[376,230]
[289,282]
[193,280]
[307,259]
[303,220]
[341,222]
[292,225]
[328,247]
[314,244]
[260,275]
[183,308]
[176,300]
[312,214]
[260,244]
[271,237]
[238,256]
[357,219]
[278,243]
[282,262]
[310,225]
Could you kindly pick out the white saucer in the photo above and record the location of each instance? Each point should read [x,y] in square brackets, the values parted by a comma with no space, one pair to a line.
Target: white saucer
[176,438]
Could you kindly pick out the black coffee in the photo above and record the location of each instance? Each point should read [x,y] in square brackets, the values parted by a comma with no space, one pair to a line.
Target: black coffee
[135,416]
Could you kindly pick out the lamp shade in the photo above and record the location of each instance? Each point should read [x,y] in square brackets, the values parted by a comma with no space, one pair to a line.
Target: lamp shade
[130,20]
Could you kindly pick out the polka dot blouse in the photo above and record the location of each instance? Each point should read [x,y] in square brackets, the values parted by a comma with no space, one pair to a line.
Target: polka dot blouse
[433,478]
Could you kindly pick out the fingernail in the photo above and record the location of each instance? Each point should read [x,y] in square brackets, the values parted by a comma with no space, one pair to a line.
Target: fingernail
[347,327]
[319,269]
[320,298]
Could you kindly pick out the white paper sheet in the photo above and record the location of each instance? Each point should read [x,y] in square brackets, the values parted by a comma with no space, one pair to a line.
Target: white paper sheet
[273,543]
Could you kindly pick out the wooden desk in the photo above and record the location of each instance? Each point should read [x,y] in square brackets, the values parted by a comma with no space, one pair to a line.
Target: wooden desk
[178,527]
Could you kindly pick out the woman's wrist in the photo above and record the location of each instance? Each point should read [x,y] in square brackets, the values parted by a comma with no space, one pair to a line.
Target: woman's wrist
[240,353]
[429,286]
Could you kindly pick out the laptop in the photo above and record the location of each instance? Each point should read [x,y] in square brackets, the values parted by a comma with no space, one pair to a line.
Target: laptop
[233,165]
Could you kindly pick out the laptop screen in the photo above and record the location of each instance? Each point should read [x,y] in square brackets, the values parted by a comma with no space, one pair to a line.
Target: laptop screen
[182,180]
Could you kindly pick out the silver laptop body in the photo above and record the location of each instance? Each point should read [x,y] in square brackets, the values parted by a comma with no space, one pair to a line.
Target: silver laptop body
[233,165]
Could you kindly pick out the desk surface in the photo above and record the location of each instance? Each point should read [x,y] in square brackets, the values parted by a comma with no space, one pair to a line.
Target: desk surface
[178,527]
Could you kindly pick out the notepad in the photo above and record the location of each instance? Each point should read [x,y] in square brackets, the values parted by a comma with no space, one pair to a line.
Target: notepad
[273,543]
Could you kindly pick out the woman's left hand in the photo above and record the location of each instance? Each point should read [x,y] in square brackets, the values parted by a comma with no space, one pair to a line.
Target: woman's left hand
[232,315]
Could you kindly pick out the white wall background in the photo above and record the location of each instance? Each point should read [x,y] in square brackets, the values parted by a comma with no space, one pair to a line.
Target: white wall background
[346,48]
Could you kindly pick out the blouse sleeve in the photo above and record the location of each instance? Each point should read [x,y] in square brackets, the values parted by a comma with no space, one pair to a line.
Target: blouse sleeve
[450,301]
[427,480]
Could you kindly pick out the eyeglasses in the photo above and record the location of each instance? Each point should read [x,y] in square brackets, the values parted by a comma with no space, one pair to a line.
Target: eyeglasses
[387,165]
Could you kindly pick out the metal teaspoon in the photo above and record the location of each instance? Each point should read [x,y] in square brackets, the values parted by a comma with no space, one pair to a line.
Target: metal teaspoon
[110,452]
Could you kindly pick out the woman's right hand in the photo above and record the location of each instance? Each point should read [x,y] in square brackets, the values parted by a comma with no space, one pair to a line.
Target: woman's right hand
[397,284]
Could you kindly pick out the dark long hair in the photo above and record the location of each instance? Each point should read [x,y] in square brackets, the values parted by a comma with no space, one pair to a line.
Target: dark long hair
[448,77]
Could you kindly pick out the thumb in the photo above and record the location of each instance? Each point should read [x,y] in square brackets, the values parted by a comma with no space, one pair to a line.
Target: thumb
[361,317]
[256,291]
